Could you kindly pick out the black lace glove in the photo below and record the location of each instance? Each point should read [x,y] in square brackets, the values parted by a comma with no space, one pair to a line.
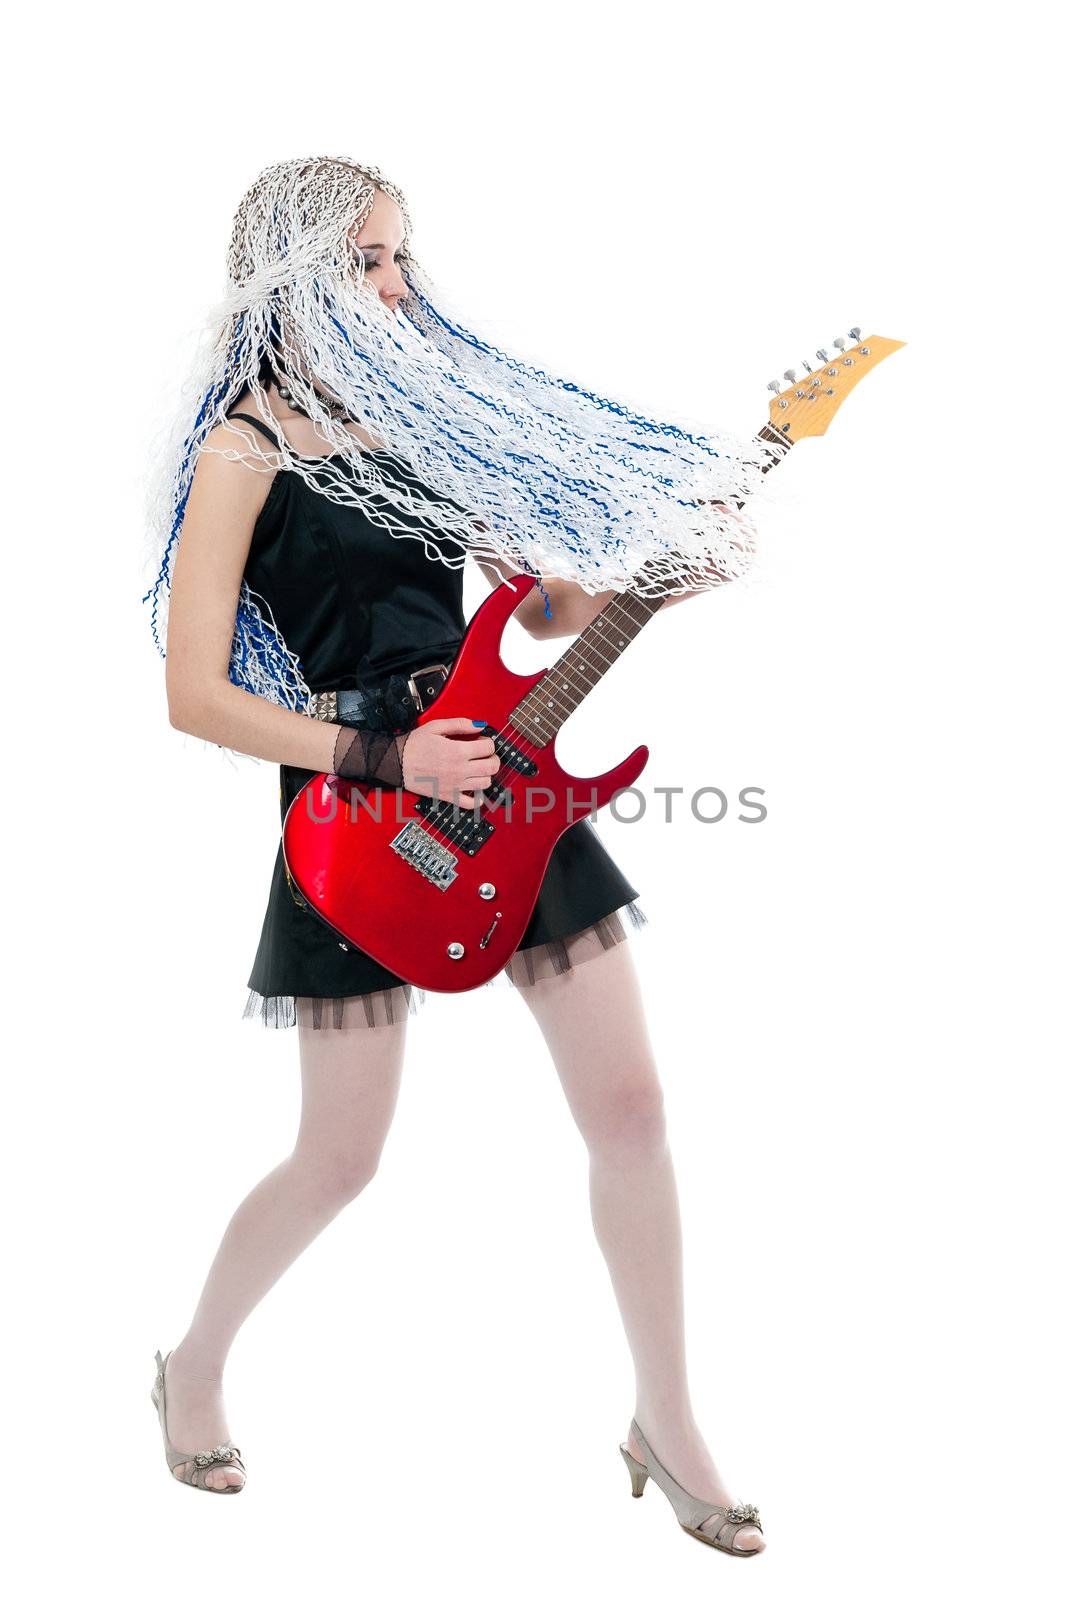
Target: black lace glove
[370,756]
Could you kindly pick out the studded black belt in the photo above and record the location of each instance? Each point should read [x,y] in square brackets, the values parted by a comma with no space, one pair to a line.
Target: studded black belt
[392,703]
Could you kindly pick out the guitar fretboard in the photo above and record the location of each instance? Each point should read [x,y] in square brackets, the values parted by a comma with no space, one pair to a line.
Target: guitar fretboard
[540,715]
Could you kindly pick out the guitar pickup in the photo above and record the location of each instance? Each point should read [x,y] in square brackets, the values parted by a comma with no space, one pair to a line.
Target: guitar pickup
[459,827]
[510,755]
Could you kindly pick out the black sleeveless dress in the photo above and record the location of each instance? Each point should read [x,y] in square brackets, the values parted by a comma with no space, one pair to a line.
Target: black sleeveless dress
[356,603]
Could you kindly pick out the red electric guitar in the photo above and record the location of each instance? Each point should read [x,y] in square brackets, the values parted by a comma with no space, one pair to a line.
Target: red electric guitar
[440,895]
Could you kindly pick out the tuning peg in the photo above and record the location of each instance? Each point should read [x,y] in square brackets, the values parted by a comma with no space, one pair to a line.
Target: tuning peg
[840,344]
[856,333]
[807,365]
[775,386]
[790,374]
[822,355]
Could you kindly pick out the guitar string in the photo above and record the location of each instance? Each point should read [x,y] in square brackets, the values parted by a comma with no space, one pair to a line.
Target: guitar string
[525,745]
[448,835]
[521,741]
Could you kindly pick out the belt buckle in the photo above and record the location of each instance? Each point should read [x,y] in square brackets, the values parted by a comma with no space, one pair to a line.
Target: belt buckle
[440,666]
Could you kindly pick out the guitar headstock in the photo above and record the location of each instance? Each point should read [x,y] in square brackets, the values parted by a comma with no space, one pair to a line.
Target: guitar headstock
[807,408]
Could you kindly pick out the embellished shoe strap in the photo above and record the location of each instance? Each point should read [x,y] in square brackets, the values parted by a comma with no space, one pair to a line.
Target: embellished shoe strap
[728,1519]
[220,1455]
[725,1527]
[203,1461]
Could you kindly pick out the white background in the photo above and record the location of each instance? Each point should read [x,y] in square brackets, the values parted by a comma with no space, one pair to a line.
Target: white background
[852,1004]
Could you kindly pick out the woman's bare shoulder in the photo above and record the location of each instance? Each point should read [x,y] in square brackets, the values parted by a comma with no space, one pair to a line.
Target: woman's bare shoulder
[236,464]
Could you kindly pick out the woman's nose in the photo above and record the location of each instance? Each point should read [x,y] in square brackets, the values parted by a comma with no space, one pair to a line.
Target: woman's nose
[393,288]
[392,293]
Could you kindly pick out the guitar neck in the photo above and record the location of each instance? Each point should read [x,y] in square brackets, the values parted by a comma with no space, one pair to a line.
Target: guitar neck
[540,715]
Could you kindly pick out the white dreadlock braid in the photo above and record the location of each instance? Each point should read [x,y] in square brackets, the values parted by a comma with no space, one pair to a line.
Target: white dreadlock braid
[549,476]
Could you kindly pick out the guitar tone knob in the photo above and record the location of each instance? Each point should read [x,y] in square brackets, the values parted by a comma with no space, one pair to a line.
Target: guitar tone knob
[456,951]
[487,891]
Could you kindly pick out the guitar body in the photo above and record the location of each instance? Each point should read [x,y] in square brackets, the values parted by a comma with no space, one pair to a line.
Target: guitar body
[439,895]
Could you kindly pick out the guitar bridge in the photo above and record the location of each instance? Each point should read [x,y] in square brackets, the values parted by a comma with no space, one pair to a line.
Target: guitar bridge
[426,855]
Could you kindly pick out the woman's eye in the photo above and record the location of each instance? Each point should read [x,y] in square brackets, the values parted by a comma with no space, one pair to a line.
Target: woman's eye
[372,266]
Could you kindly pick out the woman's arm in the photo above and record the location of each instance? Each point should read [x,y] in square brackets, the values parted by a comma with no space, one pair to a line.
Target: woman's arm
[224,501]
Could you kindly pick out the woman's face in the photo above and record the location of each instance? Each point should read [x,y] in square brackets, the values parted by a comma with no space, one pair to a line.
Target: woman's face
[381,239]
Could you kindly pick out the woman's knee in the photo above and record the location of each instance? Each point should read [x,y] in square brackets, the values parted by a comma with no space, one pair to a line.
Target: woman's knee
[628,1120]
[336,1174]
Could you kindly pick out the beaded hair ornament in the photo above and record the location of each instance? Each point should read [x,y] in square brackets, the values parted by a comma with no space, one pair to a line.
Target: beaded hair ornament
[548,476]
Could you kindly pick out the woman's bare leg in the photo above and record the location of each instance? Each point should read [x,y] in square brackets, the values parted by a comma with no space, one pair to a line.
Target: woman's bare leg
[593,1022]
[350,1079]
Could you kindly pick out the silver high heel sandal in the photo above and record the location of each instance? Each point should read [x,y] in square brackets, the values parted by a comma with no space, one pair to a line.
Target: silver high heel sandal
[690,1511]
[202,1461]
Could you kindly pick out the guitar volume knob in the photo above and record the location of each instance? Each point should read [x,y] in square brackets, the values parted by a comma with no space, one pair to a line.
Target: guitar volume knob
[456,951]
[487,891]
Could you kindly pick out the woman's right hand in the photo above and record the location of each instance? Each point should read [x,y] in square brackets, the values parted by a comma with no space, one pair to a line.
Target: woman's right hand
[440,764]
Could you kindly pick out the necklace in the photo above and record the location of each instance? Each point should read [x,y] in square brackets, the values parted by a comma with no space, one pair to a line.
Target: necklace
[335,409]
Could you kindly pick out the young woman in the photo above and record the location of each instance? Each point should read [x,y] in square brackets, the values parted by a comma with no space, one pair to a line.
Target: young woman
[347,446]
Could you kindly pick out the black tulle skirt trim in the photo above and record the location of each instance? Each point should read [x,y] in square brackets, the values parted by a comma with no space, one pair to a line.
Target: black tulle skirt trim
[381,1007]
[376,1008]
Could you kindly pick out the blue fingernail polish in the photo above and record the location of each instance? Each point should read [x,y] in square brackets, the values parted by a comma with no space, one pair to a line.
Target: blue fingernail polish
[478,724]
